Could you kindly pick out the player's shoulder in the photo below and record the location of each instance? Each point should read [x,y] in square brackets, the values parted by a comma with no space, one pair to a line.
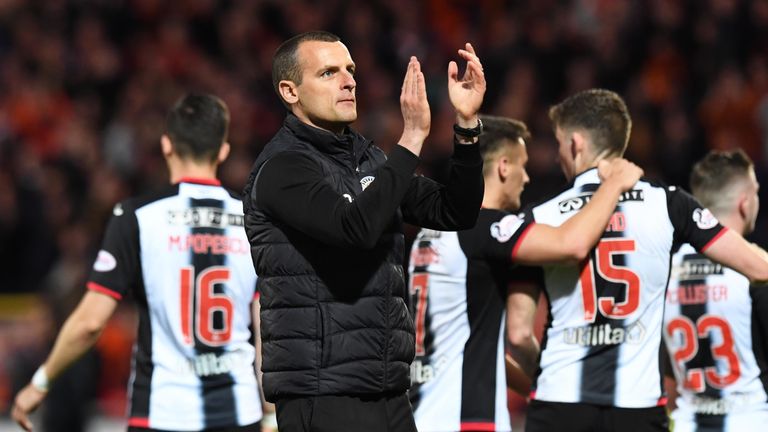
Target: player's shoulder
[671,191]
[129,206]
[147,198]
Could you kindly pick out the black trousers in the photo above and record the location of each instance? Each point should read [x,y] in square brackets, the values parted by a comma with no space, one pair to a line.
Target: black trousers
[581,417]
[254,427]
[382,413]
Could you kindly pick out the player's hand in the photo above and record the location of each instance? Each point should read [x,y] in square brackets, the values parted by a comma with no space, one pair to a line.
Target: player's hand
[467,93]
[415,108]
[620,172]
[28,399]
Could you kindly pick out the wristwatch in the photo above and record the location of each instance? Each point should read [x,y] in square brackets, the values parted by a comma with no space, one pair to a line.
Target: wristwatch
[469,132]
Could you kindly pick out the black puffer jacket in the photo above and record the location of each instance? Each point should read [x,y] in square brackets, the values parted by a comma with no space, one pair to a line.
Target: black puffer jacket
[334,318]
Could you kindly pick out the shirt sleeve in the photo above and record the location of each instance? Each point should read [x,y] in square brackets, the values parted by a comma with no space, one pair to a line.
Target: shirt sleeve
[453,206]
[117,267]
[505,234]
[692,222]
[293,189]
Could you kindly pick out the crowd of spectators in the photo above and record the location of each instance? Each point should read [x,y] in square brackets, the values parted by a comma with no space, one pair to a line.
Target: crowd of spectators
[85,84]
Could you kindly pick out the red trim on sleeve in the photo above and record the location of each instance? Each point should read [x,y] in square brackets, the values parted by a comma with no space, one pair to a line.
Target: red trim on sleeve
[93,286]
[662,401]
[256,295]
[532,395]
[141,422]
[520,240]
[203,181]
[714,239]
[477,426]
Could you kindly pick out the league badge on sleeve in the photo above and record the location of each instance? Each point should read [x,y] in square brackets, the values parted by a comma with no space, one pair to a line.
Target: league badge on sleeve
[504,229]
[704,219]
[105,262]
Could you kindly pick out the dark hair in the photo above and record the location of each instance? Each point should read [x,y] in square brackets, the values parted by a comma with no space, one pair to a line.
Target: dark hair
[714,175]
[197,126]
[498,134]
[285,62]
[601,113]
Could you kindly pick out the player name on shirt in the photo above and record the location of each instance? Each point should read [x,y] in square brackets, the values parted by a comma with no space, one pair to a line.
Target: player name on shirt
[698,294]
[216,244]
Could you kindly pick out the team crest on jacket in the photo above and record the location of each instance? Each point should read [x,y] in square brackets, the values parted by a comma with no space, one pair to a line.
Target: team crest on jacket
[504,229]
[704,219]
[366,181]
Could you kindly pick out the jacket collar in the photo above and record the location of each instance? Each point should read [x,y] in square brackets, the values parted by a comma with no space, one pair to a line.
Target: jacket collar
[325,141]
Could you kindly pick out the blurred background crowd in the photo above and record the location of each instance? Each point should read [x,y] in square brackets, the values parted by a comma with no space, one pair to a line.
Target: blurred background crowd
[85,85]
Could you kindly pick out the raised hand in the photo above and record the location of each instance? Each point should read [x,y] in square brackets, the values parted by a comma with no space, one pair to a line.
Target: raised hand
[415,108]
[467,93]
[620,172]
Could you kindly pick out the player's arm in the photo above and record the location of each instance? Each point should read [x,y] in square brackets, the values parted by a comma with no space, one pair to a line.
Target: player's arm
[523,347]
[670,384]
[573,240]
[79,333]
[732,250]
[268,421]
[306,201]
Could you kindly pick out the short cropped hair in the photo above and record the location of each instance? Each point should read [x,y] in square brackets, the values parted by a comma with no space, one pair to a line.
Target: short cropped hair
[498,133]
[197,125]
[601,113]
[285,62]
[713,178]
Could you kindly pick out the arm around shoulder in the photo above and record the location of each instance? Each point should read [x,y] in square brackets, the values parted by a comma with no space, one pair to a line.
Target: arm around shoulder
[574,239]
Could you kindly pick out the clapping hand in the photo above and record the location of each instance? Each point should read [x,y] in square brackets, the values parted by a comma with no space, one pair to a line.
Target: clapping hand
[467,93]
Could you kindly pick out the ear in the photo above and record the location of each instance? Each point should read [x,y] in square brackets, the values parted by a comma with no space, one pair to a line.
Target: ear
[166,146]
[223,152]
[578,144]
[288,91]
[743,207]
[502,167]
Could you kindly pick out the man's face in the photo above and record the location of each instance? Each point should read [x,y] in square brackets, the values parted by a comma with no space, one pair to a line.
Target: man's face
[326,95]
[517,177]
[753,202]
[564,153]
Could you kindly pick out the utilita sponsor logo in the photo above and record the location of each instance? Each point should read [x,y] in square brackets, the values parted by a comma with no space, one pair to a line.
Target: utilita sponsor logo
[210,364]
[423,372]
[604,335]
[705,405]
[579,201]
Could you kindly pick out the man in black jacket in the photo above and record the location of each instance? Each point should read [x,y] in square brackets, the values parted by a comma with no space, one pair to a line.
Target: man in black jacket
[324,211]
